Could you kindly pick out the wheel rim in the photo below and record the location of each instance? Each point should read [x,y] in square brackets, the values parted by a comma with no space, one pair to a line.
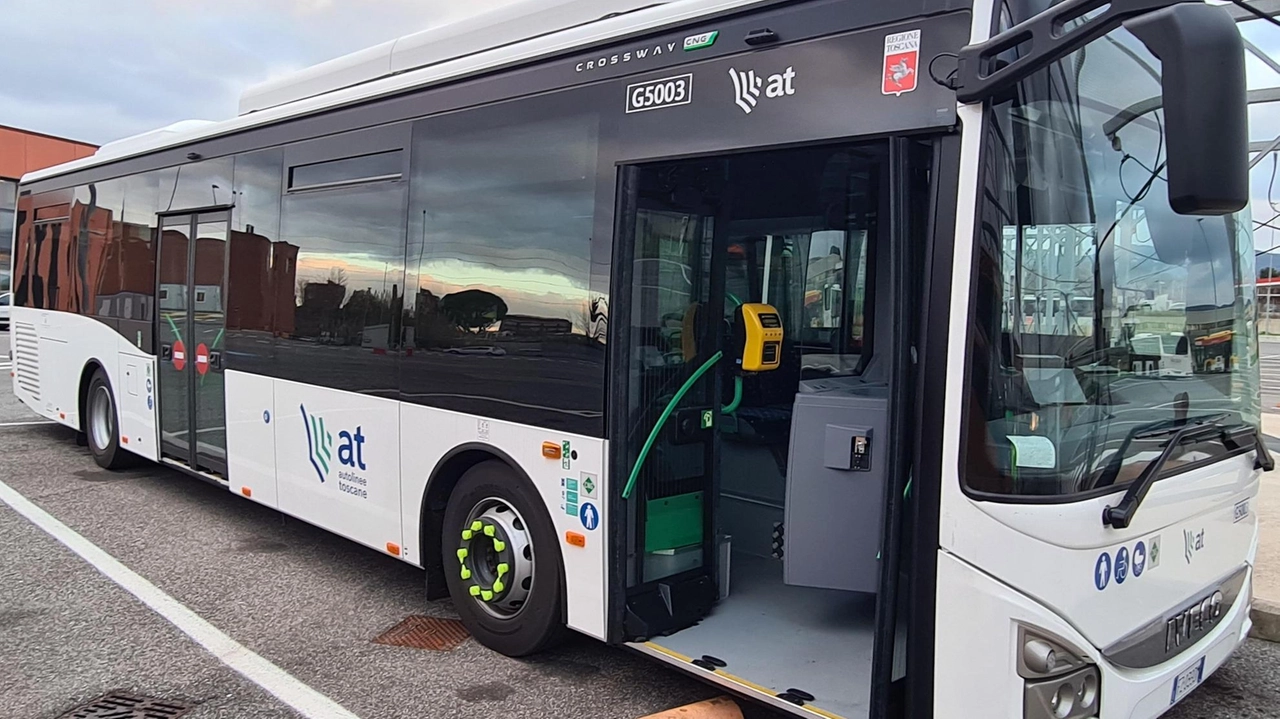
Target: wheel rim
[495,558]
[101,417]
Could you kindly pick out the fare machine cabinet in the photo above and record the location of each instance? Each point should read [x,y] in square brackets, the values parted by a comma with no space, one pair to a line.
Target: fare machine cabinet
[836,479]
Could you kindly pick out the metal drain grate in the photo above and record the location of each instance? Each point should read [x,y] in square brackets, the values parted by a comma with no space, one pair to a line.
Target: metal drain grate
[123,705]
[418,632]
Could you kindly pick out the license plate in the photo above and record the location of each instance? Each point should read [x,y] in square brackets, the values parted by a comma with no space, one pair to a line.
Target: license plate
[1188,680]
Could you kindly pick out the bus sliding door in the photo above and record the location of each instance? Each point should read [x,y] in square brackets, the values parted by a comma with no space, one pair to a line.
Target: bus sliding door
[192,321]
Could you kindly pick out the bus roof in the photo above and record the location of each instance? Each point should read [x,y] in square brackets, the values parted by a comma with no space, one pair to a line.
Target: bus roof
[503,26]
[518,34]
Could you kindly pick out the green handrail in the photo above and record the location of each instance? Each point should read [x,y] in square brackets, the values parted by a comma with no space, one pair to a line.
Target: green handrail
[662,421]
[737,397]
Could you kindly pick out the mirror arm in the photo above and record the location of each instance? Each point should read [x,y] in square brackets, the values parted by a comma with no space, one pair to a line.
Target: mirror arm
[1047,38]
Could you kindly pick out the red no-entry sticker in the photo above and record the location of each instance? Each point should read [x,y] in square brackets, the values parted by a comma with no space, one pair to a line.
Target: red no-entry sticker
[179,355]
[202,358]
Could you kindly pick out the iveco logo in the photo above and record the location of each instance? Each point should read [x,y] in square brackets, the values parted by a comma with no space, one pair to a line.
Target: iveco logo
[1187,627]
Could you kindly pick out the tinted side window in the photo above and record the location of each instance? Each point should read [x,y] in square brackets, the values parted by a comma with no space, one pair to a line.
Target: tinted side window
[499,266]
[99,230]
[262,269]
[23,255]
[199,184]
[347,283]
[43,250]
[366,168]
[133,288]
[8,207]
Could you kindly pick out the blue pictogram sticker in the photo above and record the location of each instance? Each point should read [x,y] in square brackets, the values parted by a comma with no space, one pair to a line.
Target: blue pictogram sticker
[1102,571]
[589,515]
[1122,564]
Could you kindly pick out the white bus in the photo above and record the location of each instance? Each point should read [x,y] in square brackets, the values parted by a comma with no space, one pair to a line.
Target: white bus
[684,326]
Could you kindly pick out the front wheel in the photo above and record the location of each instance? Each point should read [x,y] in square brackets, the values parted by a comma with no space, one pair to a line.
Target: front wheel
[502,563]
[101,429]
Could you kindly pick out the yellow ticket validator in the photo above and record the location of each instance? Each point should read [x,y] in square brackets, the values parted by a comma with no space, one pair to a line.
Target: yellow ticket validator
[759,330]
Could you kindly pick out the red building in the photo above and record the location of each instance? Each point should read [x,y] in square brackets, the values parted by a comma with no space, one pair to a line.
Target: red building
[22,151]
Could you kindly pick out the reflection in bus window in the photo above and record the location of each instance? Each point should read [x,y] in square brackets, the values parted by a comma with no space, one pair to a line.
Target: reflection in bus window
[1099,310]
[501,320]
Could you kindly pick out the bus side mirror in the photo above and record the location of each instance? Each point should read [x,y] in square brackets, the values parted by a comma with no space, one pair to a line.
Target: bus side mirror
[1205,105]
[1203,86]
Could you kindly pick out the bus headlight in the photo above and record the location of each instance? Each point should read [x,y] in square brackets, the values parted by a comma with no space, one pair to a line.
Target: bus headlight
[1058,683]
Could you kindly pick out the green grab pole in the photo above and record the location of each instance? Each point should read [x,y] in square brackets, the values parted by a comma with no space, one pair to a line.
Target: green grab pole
[662,421]
[737,397]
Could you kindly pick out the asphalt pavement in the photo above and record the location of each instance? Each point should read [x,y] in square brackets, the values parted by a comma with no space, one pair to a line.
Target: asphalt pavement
[304,600]
[299,597]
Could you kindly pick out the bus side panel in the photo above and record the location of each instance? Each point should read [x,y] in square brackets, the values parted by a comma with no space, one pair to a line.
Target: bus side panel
[135,389]
[51,350]
[29,371]
[66,343]
[251,437]
[429,434]
[337,458]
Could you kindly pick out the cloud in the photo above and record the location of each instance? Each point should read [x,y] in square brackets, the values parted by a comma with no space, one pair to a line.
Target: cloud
[99,71]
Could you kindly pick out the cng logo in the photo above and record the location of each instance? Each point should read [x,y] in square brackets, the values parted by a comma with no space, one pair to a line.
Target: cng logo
[749,88]
[320,450]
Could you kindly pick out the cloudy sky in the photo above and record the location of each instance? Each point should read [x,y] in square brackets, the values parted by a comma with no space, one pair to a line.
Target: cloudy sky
[99,70]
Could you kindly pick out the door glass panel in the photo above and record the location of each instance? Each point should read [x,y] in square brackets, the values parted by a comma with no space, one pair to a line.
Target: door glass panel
[175,341]
[208,332]
[669,331]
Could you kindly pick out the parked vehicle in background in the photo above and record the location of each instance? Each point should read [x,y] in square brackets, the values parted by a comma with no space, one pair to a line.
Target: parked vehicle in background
[1167,354]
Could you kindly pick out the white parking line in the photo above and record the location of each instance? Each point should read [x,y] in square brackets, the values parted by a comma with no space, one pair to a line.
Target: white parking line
[27,423]
[279,683]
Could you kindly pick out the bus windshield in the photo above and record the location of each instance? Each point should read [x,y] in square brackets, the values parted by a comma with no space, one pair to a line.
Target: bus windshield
[1098,311]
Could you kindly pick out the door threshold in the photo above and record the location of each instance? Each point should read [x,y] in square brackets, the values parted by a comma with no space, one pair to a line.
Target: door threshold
[197,473]
[733,683]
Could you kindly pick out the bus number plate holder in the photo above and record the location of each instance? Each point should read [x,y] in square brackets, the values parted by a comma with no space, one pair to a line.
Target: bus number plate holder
[1188,680]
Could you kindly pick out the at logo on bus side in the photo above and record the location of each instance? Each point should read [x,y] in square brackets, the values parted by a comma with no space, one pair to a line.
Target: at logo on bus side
[1193,541]
[320,450]
[749,87]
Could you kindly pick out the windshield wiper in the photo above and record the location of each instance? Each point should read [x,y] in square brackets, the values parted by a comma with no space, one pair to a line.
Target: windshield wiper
[1121,515]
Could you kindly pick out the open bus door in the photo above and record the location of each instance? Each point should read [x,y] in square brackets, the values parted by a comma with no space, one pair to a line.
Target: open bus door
[762,454]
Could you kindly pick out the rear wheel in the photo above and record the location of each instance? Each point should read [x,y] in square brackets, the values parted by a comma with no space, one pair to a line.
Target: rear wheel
[502,563]
[100,426]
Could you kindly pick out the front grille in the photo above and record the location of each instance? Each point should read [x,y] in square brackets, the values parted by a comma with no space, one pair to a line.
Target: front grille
[26,358]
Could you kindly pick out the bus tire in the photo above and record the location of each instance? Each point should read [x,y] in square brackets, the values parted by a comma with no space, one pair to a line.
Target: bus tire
[101,424]
[502,562]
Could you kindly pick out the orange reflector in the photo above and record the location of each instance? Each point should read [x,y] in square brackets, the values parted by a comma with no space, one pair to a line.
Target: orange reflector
[393,549]
[576,539]
[62,415]
[551,450]
[246,491]
[124,439]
